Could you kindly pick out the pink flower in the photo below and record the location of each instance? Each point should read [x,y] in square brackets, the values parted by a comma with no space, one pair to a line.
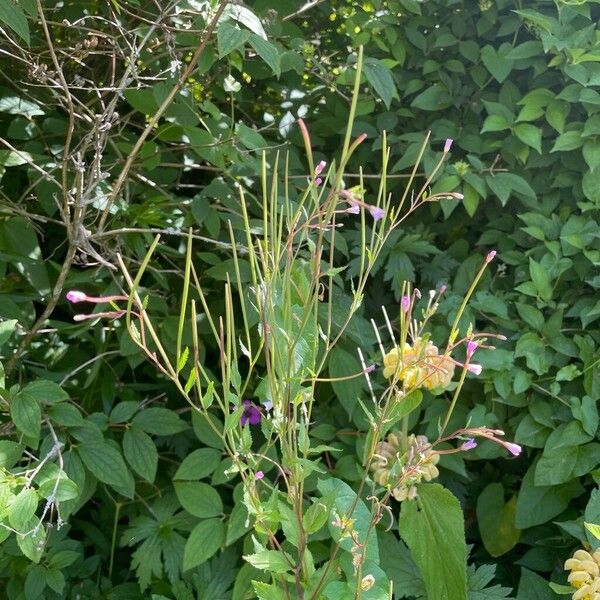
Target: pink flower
[405,303]
[75,296]
[258,475]
[318,181]
[475,369]
[514,449]
[469,444]
[377,213]
[490,256]
[354,209]
[448,145]
[471,347]
[319,168]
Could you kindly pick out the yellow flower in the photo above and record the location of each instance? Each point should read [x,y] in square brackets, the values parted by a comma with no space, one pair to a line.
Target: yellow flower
[419,365]
[585,574]
[403,466]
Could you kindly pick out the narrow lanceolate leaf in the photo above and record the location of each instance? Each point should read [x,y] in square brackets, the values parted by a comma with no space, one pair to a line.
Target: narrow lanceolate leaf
[433,528]
[140,452]
[106,464]
[26,414]
[206,538]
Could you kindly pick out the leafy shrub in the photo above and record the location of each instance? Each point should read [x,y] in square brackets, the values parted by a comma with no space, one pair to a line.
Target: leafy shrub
[516,87]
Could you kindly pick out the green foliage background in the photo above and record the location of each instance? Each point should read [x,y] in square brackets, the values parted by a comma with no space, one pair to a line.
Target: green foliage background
[515,84]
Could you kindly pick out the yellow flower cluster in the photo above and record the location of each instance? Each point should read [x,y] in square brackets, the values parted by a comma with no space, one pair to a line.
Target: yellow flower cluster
[585,574]
[405,467]
[419,365]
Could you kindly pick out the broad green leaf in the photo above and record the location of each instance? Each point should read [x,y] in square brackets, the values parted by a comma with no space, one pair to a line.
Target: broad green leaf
[272,561]
[433,528]
[496,520]
[538,504]
[22,509]
[26,414]
[10,453]
[159,421]
[343,365]
[496,61]
[592,518]
[380,77]
[205,539]
[268,52]
[12,15]
[199,499]
[529,135]
[106,464]
[230,38]
[570,140]
[46,392]
[140,452]
[541,279]
[533,587]
[7,328]
[198,464]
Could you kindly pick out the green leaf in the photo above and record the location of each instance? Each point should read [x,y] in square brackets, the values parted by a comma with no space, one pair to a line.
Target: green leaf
[433,528]
[592,517]
[140,452]
[570,140]
[12,15]
[199,499]
[35,582]
[26,415]
[272,561]
[496,520]
[529,135]
[495,123]
[541,280]
[10,453]
[537,504]
[205,539]
[502,184]
[22,509]
[268,52]
[33,544]
[106,464]
[46,392]
[496,62]
[198,464]
[593,529]
[380,77]
[533,587]
[343,364]
[7,328]
[435,97]
[230,38]
[159,421]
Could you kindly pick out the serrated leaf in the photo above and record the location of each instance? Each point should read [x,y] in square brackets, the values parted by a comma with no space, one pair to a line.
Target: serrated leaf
[140,452]
[433,528]
[26,415]
[106,464]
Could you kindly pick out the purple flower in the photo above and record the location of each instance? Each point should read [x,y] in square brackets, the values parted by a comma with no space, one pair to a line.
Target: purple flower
[251,413]
[75,296]
[377,213]
[448,145]
[469,444]
[258,475]
[490,256]
[354,208]
[471,347]
[405,303]
[514,449]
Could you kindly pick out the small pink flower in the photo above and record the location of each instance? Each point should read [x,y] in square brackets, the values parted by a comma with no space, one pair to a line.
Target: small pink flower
[469,444]
[258,475]
[377,213]
[448,145]
[318,181]
[75,296]
[405,303]
[354,209]
[490,256]
[319,168]
[475,369]
[471,347]
[514,449]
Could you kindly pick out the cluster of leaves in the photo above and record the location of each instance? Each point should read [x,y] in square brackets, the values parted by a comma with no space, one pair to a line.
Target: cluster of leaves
[140,480]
